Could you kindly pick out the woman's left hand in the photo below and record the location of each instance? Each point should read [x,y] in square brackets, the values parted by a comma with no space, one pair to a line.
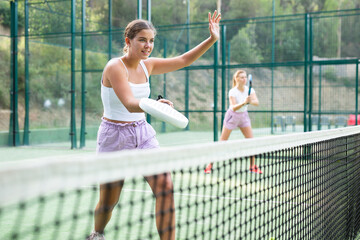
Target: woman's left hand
[167,102]
[214,25]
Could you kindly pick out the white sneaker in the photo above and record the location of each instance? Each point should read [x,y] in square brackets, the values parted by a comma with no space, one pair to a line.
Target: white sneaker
[96,236]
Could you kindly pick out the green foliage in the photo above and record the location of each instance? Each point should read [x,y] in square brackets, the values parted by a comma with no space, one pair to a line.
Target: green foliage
[5,15]
[50,74]
[242,9]
[4,73]
[325,40]
[57,15]
[348,82]
[123,12]
[349,29]
[199,10]
[264,40]
[303,5]
[243,46]
[330,74]
[289,41]
[169,13]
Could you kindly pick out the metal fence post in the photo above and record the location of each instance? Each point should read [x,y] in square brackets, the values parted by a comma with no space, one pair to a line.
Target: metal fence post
[311,74]
[27,85]
[272,66]
[148,6]
[163,124]
[319,106]
[187,73]
[139,9]
[229,78]
[223,72]
[215,109]
[72,90]
[306,16]
[83,76]
[357,92]
[110,29]
[14,124]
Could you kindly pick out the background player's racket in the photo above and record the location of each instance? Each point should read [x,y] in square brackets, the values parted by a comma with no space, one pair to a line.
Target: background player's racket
[163,112]
[250,83]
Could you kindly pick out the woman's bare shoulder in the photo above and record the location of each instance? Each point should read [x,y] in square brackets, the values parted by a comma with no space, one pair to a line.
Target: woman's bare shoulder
[114,69]
[112,63]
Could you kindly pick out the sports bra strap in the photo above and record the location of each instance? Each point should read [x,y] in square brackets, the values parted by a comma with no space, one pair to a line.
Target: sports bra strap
[145,70]
[124,66]
[143,67]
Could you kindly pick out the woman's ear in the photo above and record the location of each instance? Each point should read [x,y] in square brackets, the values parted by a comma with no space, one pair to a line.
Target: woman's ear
[127,41]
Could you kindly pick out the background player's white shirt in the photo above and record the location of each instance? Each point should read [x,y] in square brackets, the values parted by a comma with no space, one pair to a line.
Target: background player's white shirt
[240,96]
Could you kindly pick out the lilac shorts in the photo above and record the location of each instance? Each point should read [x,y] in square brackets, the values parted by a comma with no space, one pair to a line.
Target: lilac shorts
[234,120]
[119,136]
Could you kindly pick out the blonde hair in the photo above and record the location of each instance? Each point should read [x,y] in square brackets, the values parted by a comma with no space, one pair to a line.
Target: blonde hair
[237,74]
[134,27]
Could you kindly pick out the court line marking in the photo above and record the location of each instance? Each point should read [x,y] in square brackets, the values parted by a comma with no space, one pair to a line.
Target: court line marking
[226,198]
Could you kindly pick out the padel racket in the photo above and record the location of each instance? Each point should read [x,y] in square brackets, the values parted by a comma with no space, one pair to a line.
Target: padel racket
[250,83]
[163,112]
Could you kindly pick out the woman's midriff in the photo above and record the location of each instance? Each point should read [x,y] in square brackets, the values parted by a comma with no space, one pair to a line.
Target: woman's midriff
[116,121]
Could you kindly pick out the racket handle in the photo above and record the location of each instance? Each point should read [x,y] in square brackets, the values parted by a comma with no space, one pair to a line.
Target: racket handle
[250,83]
[159,97]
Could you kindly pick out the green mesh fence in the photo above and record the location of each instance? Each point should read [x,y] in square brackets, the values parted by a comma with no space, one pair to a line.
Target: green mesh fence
[305,70]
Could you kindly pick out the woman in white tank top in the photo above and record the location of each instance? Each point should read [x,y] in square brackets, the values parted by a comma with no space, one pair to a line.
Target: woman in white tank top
[124,82]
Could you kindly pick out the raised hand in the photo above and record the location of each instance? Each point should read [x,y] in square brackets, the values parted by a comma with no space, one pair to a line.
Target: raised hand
[214,25]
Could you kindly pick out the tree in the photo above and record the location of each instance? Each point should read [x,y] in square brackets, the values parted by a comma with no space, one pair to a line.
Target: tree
[243,46]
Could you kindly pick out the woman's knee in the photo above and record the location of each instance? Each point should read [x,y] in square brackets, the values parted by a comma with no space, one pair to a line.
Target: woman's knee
[109,196]
[106,206]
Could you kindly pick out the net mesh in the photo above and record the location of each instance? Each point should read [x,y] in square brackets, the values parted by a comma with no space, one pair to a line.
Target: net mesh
[309,189]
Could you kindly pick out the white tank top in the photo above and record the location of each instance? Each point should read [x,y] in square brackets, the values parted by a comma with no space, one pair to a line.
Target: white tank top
[113,107]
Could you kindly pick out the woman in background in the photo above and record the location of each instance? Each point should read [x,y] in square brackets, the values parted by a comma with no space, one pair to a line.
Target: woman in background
[237,115]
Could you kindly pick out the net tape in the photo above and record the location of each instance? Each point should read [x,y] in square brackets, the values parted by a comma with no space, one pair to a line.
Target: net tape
[26,179]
